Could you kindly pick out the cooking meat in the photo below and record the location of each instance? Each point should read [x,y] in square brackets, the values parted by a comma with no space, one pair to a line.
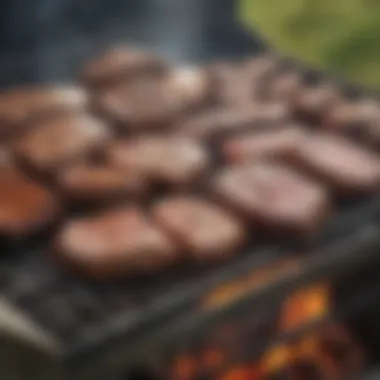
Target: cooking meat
[113,244]
[285,87]
[274,197]
[164,160]
[91,184]
[345,167]
[313,103]
[6,158]
[191,84]
[277,143]
[216,123]
[240,84]
[231,86]
[55,142]
[356,118]
[155,103]
[259,73]
[21,105]
[25,206]
[120,64]
[261,66]
[202,229]
[141,105]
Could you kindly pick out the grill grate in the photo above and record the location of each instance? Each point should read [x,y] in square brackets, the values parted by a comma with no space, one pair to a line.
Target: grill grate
[73,309]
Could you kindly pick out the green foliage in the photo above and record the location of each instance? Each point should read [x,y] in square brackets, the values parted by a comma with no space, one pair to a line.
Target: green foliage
[340,35]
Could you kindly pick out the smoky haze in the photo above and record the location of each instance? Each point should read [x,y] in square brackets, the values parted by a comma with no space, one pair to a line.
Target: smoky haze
[45,40]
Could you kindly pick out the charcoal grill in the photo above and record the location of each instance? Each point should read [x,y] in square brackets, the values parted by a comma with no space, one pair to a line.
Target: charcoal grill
[58,326]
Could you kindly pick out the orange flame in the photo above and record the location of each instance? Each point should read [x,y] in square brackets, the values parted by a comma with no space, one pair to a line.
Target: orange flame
[185,367]
[301,307]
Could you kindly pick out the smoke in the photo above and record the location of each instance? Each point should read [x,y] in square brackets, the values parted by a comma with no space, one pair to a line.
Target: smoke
[45,40]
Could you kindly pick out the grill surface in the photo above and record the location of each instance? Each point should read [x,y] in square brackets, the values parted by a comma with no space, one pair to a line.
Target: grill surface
[76,311]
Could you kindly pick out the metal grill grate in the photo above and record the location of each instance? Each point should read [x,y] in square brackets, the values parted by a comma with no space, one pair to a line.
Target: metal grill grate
[72,309]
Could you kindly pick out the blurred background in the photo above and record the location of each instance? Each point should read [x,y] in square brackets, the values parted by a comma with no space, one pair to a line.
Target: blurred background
[339,35]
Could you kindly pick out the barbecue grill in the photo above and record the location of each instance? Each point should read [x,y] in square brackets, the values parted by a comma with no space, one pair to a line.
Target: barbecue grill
[58,326]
